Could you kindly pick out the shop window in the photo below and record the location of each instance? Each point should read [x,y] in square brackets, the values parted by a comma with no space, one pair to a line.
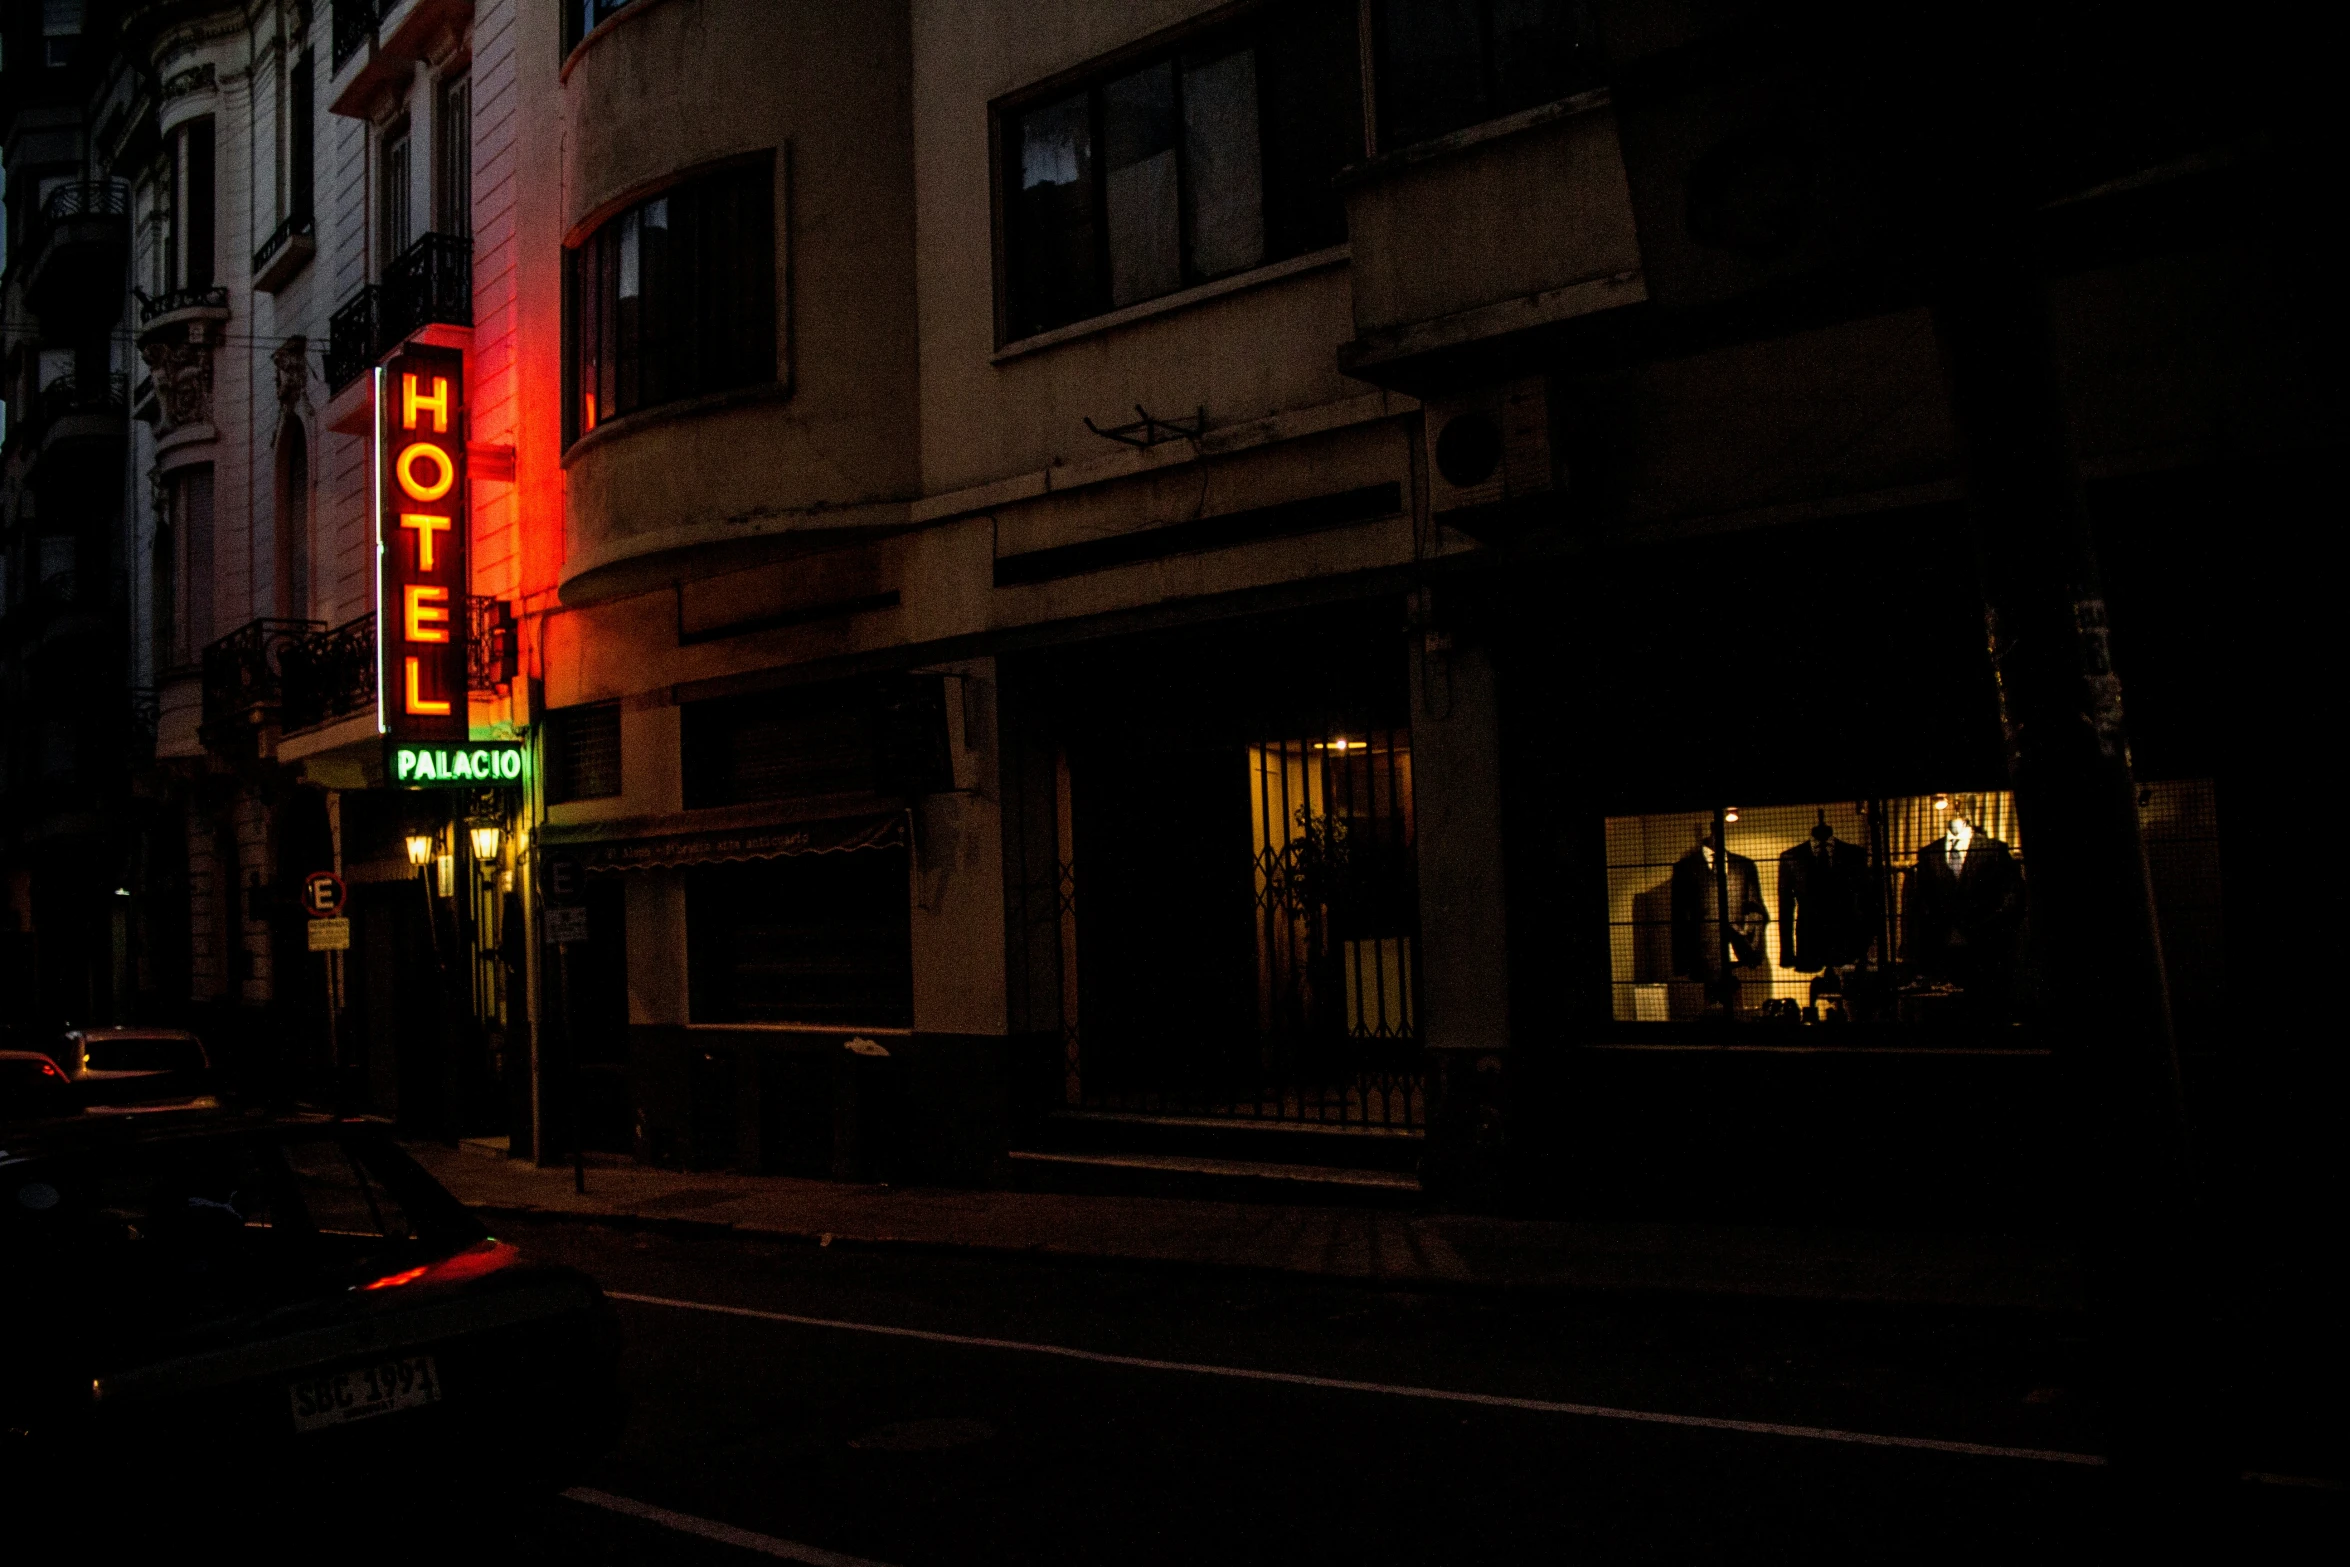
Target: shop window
[813,938]
[1444,65]
[1893,910]
[583,753]
[672,298]
[1211,158]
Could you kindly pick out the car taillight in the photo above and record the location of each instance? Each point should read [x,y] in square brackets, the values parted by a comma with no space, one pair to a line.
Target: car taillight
[471,1263]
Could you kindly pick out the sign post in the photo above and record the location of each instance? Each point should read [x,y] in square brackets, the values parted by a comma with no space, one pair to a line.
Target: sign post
[327,932]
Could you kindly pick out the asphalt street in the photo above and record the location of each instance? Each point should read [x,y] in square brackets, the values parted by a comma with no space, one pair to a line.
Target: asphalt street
[934,1409]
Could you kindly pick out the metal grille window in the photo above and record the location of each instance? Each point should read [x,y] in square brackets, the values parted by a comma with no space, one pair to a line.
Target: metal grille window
[811,938]
[789,745]
[1444,65]
[672,298]
[1212,158]
[583,753]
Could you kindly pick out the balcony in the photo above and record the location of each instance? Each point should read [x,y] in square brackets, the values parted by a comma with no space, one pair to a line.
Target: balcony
[285,253]
[298,674]
[431,283]
[1486,239]
[79,252]
[379,43]
[160,314]
[77,414]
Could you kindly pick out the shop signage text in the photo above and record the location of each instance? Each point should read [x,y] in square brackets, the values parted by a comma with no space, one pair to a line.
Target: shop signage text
[485,764]
[420,547]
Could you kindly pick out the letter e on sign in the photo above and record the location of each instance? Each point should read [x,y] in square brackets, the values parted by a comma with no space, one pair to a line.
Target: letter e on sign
[322,895]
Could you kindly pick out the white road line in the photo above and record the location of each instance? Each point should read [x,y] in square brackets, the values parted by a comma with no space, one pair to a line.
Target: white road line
[723,1533]
[1347,1385]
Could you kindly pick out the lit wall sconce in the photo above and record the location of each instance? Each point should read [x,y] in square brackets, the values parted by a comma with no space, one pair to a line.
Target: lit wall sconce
[1941,802]
[419,849]
[485,842]
[1730,814]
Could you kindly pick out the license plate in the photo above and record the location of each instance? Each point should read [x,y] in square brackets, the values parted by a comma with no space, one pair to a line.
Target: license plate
[340,1397]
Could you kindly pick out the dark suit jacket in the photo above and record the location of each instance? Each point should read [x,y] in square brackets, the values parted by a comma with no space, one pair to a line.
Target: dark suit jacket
[1962,925]
[1827,905]
[1696,929]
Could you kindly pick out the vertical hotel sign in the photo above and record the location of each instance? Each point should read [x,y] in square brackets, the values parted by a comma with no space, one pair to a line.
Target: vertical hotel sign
[421,575]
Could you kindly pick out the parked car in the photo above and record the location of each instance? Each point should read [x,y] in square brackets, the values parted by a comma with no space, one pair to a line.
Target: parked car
[34,1088]
[278,1315]
[131,1070]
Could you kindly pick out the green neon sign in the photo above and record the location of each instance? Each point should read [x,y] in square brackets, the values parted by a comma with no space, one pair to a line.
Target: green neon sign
[485,764]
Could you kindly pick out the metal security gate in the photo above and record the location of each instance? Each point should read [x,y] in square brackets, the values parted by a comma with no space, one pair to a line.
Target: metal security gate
[1217,918]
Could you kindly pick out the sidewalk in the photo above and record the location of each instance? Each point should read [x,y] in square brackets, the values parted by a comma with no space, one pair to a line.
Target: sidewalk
[1385,1247]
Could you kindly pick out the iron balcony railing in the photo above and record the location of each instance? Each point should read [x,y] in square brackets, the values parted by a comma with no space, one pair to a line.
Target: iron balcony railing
[354,26]
[192,298]
[87,199]
[432,281]
[72,394]
[352,334]
[245,675]
[328,675]
[283,235]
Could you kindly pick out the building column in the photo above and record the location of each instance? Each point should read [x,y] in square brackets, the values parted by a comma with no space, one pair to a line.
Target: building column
[1464,951]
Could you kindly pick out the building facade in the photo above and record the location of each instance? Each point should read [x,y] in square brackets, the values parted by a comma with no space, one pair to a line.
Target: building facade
[1361,583]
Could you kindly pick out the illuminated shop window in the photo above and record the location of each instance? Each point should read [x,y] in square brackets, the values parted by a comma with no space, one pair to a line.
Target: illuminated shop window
[672,298]
[1214,157]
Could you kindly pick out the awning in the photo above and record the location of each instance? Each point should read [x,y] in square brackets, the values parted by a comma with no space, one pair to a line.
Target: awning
[717,846]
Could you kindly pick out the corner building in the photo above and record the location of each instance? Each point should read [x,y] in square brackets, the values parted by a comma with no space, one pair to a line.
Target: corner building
[1379,578]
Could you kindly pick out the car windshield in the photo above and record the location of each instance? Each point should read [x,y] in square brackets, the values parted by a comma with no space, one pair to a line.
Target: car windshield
[137,1053]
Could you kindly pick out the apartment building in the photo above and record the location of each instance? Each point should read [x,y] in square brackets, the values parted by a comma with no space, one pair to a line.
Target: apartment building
[225,216]
[1361,586]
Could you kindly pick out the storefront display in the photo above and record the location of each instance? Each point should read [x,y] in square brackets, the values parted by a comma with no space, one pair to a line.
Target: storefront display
[1903,911]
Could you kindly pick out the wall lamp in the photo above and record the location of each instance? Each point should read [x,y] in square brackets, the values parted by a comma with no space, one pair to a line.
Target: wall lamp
[485,841]
[420,849]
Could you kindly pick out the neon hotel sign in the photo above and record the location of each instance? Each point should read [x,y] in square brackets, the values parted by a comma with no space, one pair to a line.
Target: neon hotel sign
[421,640]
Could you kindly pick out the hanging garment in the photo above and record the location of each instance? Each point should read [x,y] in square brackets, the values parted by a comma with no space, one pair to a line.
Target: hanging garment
[1697,941]
[1827,905]
[1961,925]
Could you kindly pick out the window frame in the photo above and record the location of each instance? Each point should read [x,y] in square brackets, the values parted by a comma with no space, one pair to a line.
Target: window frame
[1241,25]
[775,164]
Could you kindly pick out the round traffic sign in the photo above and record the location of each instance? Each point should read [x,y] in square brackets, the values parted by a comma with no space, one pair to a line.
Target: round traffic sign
[322,895]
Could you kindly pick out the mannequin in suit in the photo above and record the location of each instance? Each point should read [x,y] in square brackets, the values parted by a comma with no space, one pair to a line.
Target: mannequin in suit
[1697,942]
[1964,909]
[1827,902]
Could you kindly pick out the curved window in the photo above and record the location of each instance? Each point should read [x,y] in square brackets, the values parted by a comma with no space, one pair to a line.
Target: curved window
[671,298]
[581,17]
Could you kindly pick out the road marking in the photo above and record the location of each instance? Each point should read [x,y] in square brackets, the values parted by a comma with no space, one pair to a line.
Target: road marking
[723,1533]
[1394,1390]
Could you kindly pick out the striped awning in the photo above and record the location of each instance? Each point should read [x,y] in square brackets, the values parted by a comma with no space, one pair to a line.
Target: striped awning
[718,846]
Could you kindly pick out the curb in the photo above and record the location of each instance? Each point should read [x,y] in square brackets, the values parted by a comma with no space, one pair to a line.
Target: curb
[1046,1252]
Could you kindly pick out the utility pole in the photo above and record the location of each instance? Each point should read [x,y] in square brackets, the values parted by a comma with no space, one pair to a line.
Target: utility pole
[2104,1004]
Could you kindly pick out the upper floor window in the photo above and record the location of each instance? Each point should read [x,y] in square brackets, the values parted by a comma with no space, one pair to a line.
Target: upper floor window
[188,254]
[580,18]
[61,29]
[1180,167]
[394,226]
[672,297]
[1444,65]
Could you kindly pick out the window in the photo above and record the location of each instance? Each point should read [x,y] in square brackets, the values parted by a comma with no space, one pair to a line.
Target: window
[791,745]
[293,520]
[1447,64]
[453,156]
[302,153]
[583,753]
[191,512]
[188,262]
[673,298]
[812,938]
[581,17]
[61,30]
[392,195]
[1208,160]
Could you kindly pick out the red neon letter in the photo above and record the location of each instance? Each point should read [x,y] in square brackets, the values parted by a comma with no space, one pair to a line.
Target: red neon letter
[416,703]
[425,528]
[426,617]
[419,490]
[437,404]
